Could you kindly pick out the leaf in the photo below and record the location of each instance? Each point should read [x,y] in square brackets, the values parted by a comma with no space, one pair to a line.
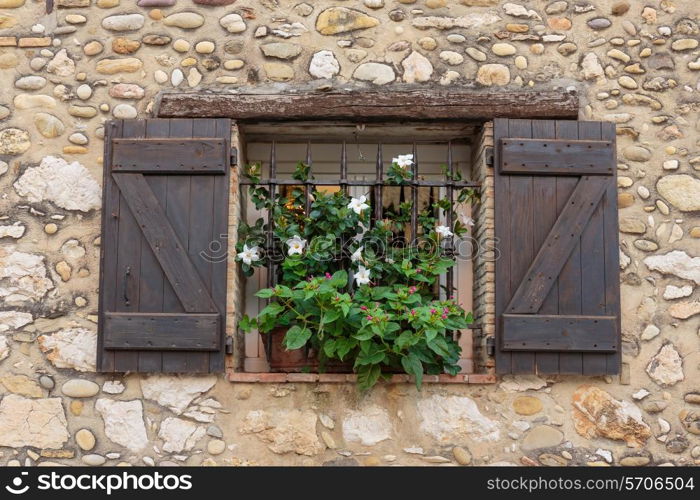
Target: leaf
[330,317]
[265,293]
[381,292]
[367,376]
[430,335]
[296,337]
[414,367]
[246,324]
[371,358]
[404,340]
[344,346]
[439,346]
[272,309]
[339,279]
[364,334]
[391,328]
[329,347]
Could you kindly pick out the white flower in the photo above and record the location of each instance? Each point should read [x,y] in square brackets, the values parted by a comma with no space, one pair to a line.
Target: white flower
[362,276]
[403,161]
[466,220]
[357,255]
[249,255]
[358,204]
[389,260]
[443,231]
[296,245]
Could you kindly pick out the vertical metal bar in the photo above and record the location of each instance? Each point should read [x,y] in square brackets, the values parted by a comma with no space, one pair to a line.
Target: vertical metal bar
[271,271]
[344,168]
[378,187]
[414,197]
[307,206]
[343,185]
[450,217]
[308,187]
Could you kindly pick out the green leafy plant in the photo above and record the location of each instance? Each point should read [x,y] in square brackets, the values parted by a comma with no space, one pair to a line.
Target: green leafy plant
[347,292]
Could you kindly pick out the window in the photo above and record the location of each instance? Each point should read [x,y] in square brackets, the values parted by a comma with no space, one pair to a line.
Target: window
[543,274]
[355,158]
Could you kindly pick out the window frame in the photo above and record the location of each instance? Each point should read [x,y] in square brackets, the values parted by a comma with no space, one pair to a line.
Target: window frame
[346,182]
[370,105]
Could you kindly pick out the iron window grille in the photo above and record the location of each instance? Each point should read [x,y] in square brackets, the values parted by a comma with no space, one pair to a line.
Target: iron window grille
[449,183]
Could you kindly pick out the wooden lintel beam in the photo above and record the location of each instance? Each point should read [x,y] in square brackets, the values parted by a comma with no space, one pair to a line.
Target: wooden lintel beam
[372,105]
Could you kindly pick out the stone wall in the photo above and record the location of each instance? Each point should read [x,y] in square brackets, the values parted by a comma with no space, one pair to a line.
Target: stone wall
[63,73]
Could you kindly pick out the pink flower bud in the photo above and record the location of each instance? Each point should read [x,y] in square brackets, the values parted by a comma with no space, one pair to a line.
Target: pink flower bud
[433,311]
[369,318]
[364,308]
[444,316]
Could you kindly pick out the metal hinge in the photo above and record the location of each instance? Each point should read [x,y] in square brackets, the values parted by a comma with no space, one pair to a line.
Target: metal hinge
[229,345]
[234,156]
[490,345]
[488,155]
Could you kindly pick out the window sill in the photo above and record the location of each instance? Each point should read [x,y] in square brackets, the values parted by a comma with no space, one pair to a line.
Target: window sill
[341,378]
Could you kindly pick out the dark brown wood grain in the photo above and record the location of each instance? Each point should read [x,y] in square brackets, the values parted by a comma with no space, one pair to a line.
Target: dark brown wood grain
[592,243]
[540,332]
[561,240]
[612,257]
[170,155]
[570,275]
[556,157]
[153,279]
[159,331]
[563,312]
[502,241]
[370,105]
[108,247]
[157,228]
[522,224]
[168,249]
[129,259]
[545,215]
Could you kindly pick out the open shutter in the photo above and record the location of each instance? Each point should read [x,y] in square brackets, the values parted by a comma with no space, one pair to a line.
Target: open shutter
[557,273]
[164,244]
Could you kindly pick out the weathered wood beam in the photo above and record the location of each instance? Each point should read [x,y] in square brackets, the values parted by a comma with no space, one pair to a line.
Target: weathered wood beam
[372,105]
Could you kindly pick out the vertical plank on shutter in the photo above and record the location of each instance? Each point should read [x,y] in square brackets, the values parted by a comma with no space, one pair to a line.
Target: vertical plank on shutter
[129,260]
[503,289]
[220,234]
[569,282]
[177,210]
[612,256]
[545,215]
[201,224]
[592,244]
[108,245]
[152,276]
[521,231]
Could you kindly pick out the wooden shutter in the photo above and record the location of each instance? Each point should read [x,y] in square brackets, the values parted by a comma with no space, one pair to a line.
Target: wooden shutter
[557,281]
[164,244]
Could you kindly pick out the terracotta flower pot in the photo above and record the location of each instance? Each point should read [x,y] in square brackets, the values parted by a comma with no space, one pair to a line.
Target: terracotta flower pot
[282,360]
[299,360]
